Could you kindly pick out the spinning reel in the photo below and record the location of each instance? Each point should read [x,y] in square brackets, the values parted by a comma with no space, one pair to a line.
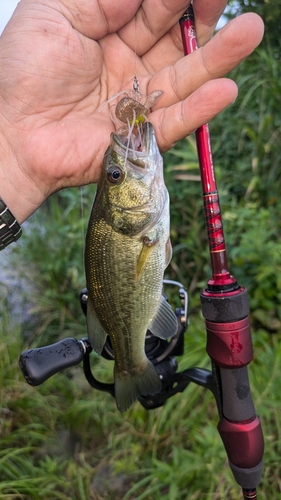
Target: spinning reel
[39,364]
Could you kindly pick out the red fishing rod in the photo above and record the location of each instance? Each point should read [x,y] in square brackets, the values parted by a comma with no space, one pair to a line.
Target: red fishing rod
[225,308]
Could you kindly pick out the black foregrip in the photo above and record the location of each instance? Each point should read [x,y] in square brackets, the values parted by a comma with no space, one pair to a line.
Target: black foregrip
[37,365]
[237,399]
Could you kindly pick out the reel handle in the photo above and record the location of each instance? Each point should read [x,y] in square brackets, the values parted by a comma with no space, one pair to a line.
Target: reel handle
[37,365]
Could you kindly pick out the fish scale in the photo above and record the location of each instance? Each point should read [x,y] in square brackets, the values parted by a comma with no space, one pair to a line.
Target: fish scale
[118,310]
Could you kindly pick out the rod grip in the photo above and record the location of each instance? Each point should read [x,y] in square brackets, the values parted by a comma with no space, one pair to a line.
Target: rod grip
[229,344]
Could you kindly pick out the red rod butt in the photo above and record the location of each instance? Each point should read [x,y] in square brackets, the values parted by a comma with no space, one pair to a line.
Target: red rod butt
[242,437]
[250,494]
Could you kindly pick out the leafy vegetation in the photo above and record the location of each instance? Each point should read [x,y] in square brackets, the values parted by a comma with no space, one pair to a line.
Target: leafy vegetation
[64,440]
[269,10]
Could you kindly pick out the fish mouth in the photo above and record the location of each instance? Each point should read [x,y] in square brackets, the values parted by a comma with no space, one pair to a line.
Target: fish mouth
[141,161]
[136,145]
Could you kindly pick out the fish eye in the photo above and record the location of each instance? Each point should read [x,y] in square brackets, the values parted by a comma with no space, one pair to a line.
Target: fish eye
[115,174]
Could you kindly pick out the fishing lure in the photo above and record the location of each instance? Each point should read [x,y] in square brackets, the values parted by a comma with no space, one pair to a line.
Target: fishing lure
[134,107]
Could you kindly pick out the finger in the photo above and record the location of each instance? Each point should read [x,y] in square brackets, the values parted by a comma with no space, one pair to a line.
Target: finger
[206,18]
[175,122]
[97,18]
[216,59]
[153,19]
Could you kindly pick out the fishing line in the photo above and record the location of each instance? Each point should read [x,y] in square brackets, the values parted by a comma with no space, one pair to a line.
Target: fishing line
[83,222]
[136,82]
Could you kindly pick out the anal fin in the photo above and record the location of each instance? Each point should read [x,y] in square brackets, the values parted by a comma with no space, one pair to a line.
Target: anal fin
[165,323]
[130,385]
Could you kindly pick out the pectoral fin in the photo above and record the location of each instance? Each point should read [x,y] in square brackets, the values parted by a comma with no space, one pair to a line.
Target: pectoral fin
[96,332]
[169,252]
[147,246]
[165,323]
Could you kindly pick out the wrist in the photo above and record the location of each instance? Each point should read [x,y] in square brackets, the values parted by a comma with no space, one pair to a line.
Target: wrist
[17,191]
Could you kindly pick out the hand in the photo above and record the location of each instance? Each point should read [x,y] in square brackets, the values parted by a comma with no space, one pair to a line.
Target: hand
[61,59]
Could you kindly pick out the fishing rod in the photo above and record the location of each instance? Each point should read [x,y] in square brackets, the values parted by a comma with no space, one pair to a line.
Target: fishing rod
[225,308]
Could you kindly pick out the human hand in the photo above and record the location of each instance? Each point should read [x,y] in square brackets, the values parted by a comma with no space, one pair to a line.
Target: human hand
[61,59]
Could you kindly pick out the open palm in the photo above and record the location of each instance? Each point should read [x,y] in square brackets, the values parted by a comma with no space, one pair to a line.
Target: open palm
[60,60]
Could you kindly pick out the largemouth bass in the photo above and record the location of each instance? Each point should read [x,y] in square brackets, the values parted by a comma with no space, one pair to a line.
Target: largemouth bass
[127,250]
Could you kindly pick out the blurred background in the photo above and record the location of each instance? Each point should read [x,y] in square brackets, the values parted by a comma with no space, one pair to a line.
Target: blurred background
[64,440]
[7,8]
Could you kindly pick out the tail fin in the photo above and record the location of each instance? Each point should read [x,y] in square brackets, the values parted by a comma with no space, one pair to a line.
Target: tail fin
[130,385]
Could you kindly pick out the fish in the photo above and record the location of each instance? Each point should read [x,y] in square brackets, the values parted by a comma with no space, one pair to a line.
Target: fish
[127,251]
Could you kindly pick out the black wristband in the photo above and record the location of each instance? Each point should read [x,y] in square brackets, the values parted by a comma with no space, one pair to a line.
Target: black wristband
[10,229]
